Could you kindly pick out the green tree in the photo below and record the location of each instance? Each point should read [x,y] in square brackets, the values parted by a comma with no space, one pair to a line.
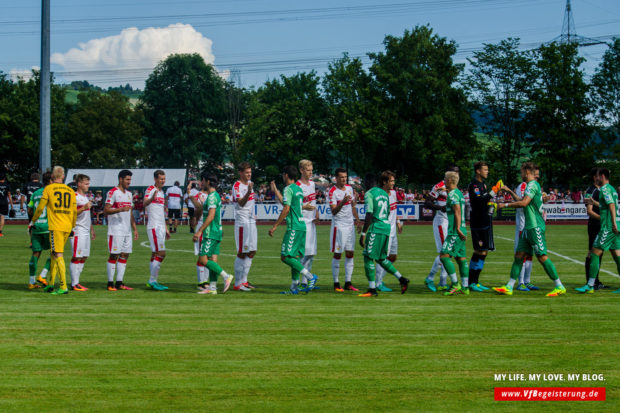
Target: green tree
[19,124]
[287,123]
[560,134]
[184,105]
[606,96]
[103,131]
[498,83]
[427,125]
[353,113]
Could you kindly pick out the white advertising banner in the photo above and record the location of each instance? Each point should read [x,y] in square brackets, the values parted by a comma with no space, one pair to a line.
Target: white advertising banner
[565,211]
[270,212]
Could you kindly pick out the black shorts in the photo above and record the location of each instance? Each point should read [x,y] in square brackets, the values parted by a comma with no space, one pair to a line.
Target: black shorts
[593,230]
[482,239]
[4,209]
[174,213]
[190,212]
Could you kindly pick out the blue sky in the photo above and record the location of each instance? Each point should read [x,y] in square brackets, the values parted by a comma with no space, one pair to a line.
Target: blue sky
[262,39]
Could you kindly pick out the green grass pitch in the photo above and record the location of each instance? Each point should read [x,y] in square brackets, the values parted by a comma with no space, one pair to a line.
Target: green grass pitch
[179,351]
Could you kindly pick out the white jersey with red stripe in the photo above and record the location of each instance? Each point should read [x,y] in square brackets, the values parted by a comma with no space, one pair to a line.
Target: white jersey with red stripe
[334,196]
[440,195]
[520,218]
[393,212]
[155,210]
[309,191]
[83,221]
[119,223]
[243,214]
[201,197]
[175,196]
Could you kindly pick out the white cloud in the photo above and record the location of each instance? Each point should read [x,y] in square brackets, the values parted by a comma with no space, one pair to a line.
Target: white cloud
[116,56]
[22,74]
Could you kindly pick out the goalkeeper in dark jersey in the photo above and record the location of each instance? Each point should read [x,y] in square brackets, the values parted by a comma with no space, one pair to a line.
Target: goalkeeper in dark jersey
[481,222]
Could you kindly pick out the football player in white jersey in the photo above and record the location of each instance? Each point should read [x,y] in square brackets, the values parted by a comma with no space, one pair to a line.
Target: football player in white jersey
[341,198]
[174,200]
[437,202]
[198,200]
[118,205]
[154,205]
[396,227]
[82,233]
[246,237]
[310,211]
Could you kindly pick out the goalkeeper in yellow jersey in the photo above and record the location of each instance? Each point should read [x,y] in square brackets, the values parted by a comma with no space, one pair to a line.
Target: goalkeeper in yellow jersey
[61,215]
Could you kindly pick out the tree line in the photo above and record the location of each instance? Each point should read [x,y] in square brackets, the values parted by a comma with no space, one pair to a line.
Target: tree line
[412,110]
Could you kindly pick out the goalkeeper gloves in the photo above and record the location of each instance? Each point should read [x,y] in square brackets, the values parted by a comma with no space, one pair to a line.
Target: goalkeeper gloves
[497,187]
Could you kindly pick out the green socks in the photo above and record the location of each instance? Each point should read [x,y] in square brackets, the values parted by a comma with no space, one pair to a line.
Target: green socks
[32,265]
[294,263]
[214,270]
[517,264]
[388,266]
[369,267]
[447,265]
[552,273]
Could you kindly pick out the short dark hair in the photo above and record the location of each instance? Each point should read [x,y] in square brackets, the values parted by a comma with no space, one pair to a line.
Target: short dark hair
[34,176]
[211,178]
[593,172]
[81,177]
[370,180]
[124,173]
[243,166]
[157,173]
[47,177]
[340,171]
[529,166]
[386,175]
[478,165]
[605,172]
[291,172]
[176,183]
[75,177]
[453,168]
[2,176]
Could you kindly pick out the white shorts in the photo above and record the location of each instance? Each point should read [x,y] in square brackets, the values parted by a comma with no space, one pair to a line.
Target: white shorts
[440,230]
[393,245]
[119,244]
[310,239]
[342,238]
[246,237]
[157,238]
[518,232]
[80,245]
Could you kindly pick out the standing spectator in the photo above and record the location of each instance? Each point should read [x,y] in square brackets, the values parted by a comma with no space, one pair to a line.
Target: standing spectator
[409,196]
[5,200]
[553,196]
[191,192]
[576,196]
[174,195]
[138,207]
[20,200]
[98,207]
[400,195]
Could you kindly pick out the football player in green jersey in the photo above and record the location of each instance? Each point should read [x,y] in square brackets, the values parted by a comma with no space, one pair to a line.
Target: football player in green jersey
[454,245]
[294,241]
[39,237]
[377,227]
[211,230]
[608,237]
[532,240]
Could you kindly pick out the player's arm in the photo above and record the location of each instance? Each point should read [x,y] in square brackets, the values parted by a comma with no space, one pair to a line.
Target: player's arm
[429,202]
[281,218]
[512,193]
[276,191]
[338,206]
[244,200]
[358,224]
[457,220]
[591,213]
[368,218]
[10,200]
[108,210]
[73,209]
[317,217]
[149,197]
[525,201]
[613,212]
[133,226]
[208,220]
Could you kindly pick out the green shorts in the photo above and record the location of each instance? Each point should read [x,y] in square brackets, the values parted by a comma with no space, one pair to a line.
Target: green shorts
[606,240]
[294,243]
[40,242]
[209,247]
[454,246]
[376,247]
[533,242]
